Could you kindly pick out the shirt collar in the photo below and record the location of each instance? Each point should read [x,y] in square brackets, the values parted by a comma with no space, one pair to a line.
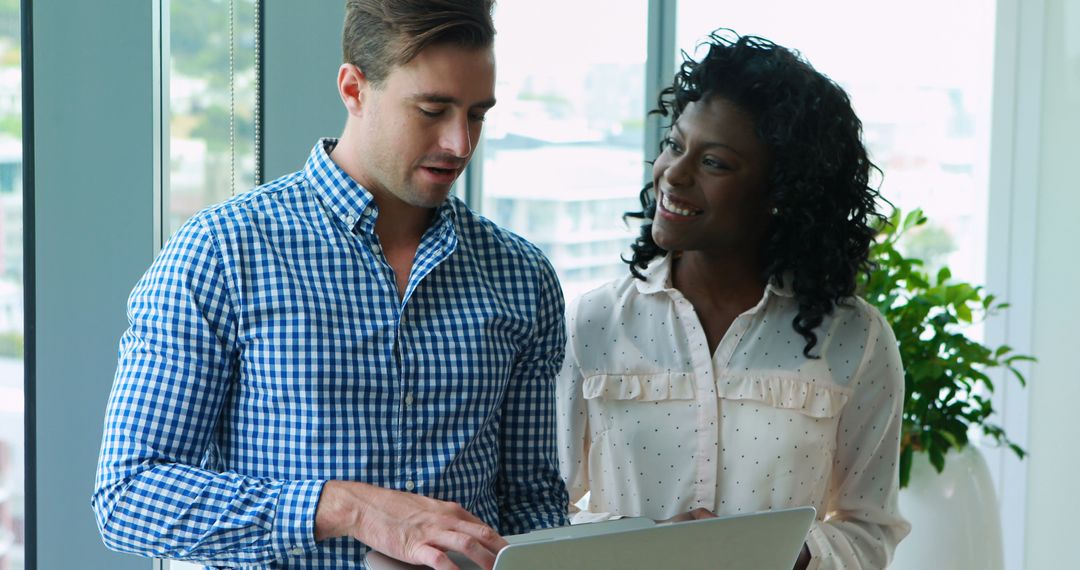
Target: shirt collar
[785,291]
[658,278]
[346,199]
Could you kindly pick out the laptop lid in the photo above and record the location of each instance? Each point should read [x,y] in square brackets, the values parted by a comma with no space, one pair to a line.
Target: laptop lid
[759,541]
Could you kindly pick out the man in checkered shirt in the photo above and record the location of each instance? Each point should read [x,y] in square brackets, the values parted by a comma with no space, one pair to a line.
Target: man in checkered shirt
[346,358]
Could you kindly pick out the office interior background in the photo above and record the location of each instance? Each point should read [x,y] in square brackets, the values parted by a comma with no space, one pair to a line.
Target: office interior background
[120,119]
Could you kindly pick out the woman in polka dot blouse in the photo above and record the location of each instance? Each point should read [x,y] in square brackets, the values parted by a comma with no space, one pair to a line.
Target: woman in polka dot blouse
[733,369]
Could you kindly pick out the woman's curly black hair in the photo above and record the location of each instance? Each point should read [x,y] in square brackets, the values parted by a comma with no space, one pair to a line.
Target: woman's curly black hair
[819,179]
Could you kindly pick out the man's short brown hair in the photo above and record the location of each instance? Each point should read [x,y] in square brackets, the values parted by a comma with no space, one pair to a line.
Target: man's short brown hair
[381,34]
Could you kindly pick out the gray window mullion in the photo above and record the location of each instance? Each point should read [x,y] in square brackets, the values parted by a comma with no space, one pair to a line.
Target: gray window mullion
[659,69]
[95,174]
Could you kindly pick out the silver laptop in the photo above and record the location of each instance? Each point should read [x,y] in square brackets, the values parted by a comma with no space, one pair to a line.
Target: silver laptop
[760,541]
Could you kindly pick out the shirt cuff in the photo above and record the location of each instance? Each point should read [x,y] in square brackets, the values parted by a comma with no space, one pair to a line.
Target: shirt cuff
[294,521]
[818,545]
[586,517]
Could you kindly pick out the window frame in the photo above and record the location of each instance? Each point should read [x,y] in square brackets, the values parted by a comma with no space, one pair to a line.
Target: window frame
[1015,127]
[92,178]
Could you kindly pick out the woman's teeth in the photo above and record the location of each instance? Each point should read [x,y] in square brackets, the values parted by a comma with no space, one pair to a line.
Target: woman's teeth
[669,206]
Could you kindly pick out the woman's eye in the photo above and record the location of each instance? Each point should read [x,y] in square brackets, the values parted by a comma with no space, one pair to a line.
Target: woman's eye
[670,143]
[717,164]
[430,113]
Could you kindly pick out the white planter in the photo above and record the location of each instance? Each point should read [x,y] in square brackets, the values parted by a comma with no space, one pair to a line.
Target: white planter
[954,516]
[180,565]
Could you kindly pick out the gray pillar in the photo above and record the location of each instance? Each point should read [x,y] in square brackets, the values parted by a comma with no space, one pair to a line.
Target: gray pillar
[301,56]
[96,174]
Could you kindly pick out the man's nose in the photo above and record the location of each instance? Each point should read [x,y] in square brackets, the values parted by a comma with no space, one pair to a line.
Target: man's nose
[456,137]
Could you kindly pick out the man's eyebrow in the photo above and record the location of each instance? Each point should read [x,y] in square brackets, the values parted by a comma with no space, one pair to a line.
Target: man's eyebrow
[708,144]
[448,100]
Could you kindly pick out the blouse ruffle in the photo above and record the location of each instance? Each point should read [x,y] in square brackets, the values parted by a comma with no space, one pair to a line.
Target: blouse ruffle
[641,387]
[817,400]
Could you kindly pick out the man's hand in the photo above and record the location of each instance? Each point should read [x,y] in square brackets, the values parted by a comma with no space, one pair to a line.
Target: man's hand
[696,514]
[409,527]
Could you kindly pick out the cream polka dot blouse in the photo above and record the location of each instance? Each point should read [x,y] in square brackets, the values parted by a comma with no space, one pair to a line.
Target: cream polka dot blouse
[651,424]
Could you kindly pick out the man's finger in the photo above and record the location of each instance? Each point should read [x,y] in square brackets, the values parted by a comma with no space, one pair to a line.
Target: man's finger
[467,545]
[484,533]
[430,556]
[476,550]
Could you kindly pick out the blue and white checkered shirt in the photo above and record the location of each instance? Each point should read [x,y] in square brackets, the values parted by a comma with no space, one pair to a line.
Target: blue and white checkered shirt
[268,352]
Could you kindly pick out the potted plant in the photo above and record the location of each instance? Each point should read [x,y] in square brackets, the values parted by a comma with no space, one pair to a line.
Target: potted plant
[947,393]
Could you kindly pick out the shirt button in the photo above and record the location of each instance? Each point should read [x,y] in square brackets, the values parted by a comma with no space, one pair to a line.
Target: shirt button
[409,485]
[350,220]
[408,399]
[376,248]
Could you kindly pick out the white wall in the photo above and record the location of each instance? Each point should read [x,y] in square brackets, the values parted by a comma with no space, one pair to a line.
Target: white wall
[1054,389]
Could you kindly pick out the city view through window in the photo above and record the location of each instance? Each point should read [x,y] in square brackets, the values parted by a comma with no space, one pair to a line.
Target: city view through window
[562,151]
[12,398]
[212,104]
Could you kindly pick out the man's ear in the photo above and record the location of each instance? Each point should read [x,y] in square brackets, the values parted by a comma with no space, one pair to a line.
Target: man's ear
[353,87]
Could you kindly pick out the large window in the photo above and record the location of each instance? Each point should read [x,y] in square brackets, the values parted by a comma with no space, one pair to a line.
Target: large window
[562,156]
[12,485]
[562,153]
[919,74]
[212,104]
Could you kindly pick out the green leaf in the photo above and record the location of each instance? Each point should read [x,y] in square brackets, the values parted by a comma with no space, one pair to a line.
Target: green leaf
[937,459]
[913,219]
[906,453]
[1018,375]
[963,313]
